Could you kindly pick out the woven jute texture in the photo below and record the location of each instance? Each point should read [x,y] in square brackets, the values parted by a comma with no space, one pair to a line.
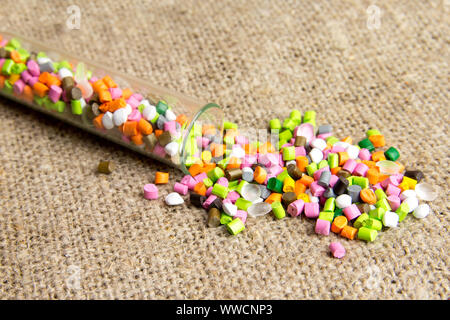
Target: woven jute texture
[67,232]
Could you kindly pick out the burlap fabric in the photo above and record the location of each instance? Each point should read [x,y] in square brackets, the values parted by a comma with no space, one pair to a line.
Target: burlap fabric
[70,233]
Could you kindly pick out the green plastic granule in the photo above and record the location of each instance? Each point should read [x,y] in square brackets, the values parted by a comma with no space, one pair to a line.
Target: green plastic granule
[285,135]
[239,187]
[311,168]
[309,115]
[332,140]
[215,174]
[228,140]
[64,64]
[57,106]
[275,124]
[41,54]
[330,205]
[350,180]
[359,221]
[243,204]
[312,121]
[76,107]
[51,105]
[223,163]
[363,182]
[235,226]
[338,212]
[377,213]
[14,43]
[55,66]
[208,182]
[296,116]
[18,68]
[220,191]
[402,211]
[38,100]
[8,87]
[155,118]
[383,203]
[372,132]
[380,194]
[392,154]
[322,164]
[225,219]
[141,108]
[367,234]
[366,143]
[24,54]
[9,48]
[326,215]
[374,224]
[47,103]
[229,125]
[278,210]
[283,175]
[232,185]
[290,124]
[7,67]
[288,153]
[161,107]
[333,160]
[275,185]
[60,106]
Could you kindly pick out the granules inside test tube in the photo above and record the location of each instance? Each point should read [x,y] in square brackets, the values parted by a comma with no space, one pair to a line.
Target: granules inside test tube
[306,162]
